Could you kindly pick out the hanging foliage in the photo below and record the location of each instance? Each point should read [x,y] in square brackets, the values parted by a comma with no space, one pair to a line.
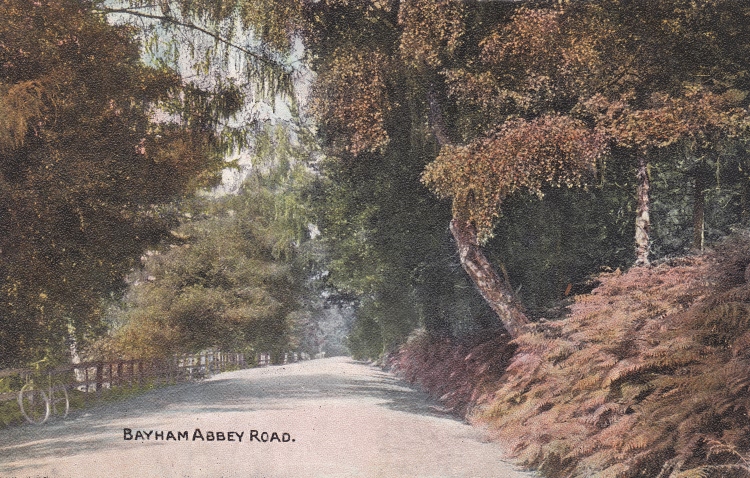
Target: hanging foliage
[698,115]
[355,116]
[518,156]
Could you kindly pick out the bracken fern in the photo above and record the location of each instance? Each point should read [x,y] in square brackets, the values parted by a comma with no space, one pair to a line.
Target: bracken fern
[644,378]
[648,376]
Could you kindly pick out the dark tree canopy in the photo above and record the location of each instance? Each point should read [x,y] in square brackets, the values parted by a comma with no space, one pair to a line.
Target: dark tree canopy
[83,160]
[506,98]
[601,106]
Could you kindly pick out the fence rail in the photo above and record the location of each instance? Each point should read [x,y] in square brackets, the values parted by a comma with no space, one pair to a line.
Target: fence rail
[90,379]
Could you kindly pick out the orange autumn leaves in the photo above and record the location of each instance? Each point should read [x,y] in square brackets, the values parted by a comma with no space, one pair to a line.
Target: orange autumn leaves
[556,150]
[354,91]
[698,115]
[519,155]
[351,97]
[537,100]
[431,29]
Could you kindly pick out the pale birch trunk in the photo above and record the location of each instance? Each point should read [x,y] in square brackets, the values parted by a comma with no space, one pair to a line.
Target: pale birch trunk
[494,290]
[642,218]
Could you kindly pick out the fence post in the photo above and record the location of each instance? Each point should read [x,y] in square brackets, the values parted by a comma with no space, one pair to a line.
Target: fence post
[174,366]
[86,382]
[99,378]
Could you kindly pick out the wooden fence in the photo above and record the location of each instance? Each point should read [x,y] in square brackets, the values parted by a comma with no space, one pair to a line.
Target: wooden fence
[91,379]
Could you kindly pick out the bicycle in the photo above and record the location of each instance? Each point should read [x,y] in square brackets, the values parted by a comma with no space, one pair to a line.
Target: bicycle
[36,405]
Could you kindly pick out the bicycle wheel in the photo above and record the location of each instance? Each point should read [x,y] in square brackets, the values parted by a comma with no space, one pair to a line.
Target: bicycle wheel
[34,404]
[59,396]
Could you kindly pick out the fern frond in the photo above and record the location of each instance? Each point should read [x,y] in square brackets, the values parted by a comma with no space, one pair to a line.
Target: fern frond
[618,470]
[717,471]
[699,472]
[647,370]
[587,383]
[638,442]
[19,105]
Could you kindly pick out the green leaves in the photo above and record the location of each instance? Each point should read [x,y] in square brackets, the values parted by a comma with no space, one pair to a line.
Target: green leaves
[238,268]
[248,39]
[224,287]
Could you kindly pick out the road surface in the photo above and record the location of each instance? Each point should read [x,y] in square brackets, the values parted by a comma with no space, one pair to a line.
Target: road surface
[322,418]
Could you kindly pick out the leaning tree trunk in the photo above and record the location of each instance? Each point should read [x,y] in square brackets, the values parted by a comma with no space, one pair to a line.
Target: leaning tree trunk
[493,289]
[642,219]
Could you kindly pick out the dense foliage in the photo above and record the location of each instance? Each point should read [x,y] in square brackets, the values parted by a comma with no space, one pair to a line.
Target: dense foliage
[643,105]
[388,252]
[647,377]
[83,161]
[567,138]
[234,274]
[613,95]
[499,99]
[457,372]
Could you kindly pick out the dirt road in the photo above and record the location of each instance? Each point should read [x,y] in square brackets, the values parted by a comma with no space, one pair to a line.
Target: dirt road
[322,418]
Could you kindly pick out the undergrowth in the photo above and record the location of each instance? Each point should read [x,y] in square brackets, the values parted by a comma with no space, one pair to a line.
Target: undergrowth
[456,372]
[648,376]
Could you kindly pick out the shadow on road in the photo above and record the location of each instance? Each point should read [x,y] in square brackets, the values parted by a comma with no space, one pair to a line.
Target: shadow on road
[272,388]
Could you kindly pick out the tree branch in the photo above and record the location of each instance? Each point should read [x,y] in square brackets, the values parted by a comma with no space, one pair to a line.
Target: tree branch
[175,21]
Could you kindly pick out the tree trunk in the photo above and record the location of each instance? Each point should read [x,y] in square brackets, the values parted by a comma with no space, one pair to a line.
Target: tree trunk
[642,219]
[699,204]
[745,201]
[494,290]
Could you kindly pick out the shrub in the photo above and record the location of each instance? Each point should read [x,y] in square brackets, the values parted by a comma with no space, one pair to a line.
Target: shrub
[648,376]
[457,372]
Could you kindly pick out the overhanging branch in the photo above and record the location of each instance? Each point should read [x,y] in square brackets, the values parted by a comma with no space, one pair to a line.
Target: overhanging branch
[176,21]
[496,292]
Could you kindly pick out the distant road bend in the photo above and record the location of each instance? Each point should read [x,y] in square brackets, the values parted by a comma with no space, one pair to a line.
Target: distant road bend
[321,418]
